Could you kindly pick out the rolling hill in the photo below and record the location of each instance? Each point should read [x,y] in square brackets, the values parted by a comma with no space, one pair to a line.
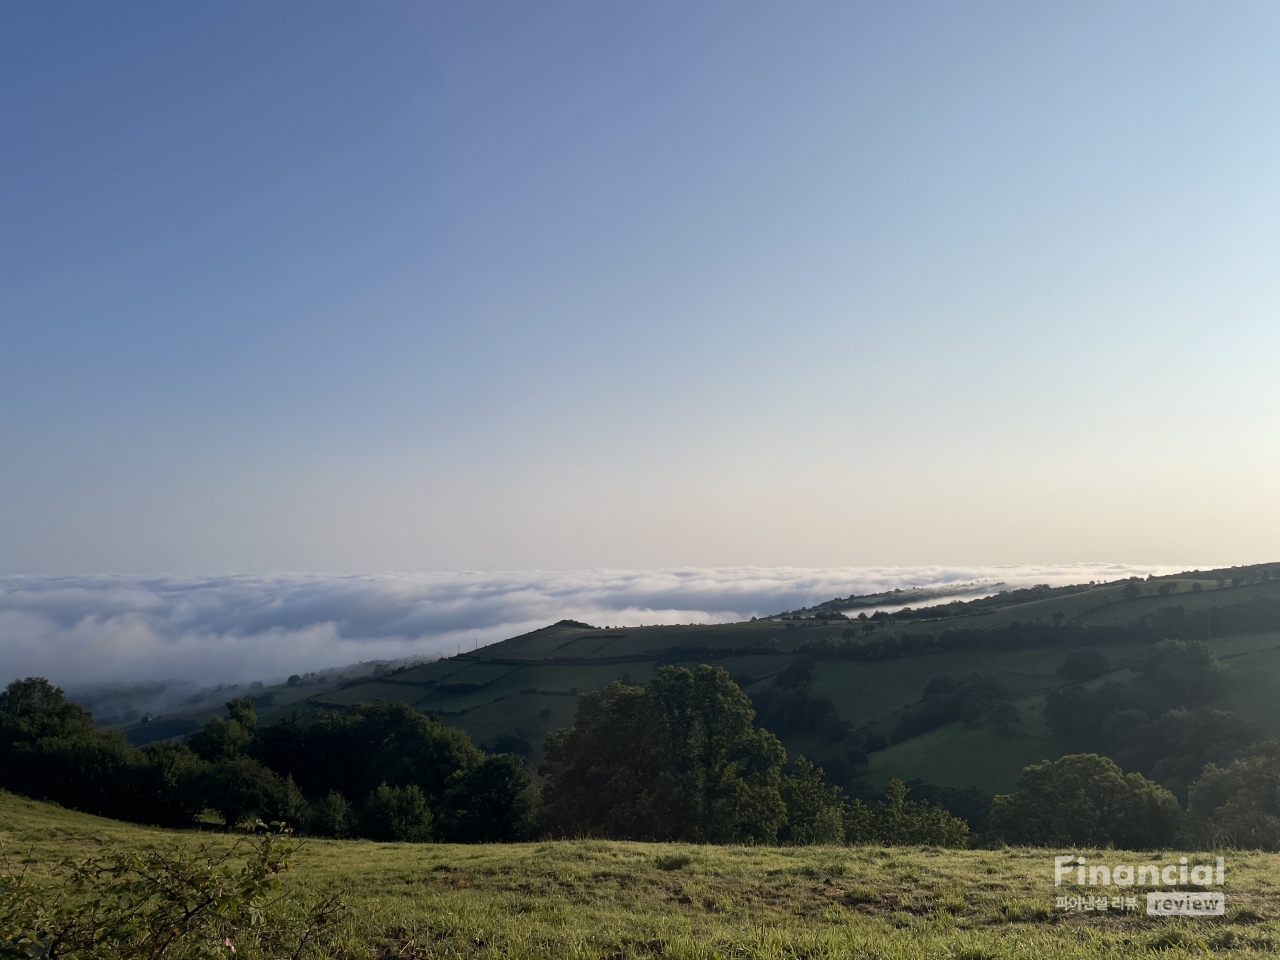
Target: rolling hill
[870,671]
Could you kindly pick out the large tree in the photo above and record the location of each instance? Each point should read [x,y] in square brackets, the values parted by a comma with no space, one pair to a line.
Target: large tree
[1085,799]
[679,759]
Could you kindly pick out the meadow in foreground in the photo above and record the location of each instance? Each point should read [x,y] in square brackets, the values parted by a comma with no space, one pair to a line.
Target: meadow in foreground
[617,899]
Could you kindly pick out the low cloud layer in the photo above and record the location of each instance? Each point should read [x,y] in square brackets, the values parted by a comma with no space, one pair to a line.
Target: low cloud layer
[82,631]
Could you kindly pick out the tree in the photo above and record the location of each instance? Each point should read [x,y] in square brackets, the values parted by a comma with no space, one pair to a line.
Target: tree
[396,813]
[328,816]
[370,744]
[1239,806]
[243,790]
[799,671]
[815,811]
[1002,715]
[34,709]
[1087,663]
[897,821]
[221,739]
[493,802]
[1182,672]
[945,700]
[679,759]
[1085,799]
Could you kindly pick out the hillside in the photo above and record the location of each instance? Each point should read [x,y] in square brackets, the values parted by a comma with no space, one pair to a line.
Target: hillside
[624,900]
[510,695]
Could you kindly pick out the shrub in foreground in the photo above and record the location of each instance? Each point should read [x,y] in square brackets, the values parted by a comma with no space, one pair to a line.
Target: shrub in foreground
[179,904]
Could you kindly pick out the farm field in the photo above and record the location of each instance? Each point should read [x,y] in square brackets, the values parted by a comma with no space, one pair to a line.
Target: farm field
[594,899]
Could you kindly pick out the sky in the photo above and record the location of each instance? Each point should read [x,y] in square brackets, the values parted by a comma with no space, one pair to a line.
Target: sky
[347,289]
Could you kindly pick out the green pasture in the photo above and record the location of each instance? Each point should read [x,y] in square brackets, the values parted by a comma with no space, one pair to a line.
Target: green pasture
[595,899]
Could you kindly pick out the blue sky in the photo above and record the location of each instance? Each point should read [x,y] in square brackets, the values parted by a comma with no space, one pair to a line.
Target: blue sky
[324,287]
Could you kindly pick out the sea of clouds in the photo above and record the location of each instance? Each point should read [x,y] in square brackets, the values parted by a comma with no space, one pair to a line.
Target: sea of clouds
[86,631]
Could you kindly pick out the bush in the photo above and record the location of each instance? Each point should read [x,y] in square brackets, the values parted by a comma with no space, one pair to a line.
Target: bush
[178,904]
[1087,663]
[243,790]
[1086,800]
[396,814]
[496,801]
[897,821]
[799,671]
[328,816]
[945,700]
[1239,806]
[815,811]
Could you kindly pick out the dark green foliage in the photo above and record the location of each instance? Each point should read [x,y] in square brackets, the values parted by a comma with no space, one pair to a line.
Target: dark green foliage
[161,729]
[494,800]
[1180,672]
[1174,747]
[157,904]
[32,710]
[396,814]
[1256,615]
[370,744]
[968,803]
[328,816]
[945,700]
[244,791]
[1087,663]
[1145,725]
[163,792]
[799,671]
[49,749]
[1239,806]
[1001,715]
[815,811]
[855,750]
[246,773]
[470,796]
[221,739]
[280,745]
[95,773]
[679,759]
[788,711]
[897,821]
[513,743]
[1085,799]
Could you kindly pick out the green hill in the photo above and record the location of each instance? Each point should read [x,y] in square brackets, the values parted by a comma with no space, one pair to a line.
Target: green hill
[872,669]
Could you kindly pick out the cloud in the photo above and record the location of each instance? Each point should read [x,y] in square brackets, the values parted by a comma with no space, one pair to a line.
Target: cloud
[209,630]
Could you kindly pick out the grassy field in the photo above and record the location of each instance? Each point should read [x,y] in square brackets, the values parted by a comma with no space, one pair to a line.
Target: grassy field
[594,899]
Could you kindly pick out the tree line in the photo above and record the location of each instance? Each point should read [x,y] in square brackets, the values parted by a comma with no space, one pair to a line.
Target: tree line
[678,759]
[1260,614]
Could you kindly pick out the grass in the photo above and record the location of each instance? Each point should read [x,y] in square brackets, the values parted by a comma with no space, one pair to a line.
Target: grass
[958,755]
[596,899]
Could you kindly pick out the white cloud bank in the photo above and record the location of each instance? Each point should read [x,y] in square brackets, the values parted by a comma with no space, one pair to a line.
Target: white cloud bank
[94,630]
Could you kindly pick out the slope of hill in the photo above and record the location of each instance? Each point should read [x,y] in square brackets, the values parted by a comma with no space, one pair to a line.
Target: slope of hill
[510,695]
